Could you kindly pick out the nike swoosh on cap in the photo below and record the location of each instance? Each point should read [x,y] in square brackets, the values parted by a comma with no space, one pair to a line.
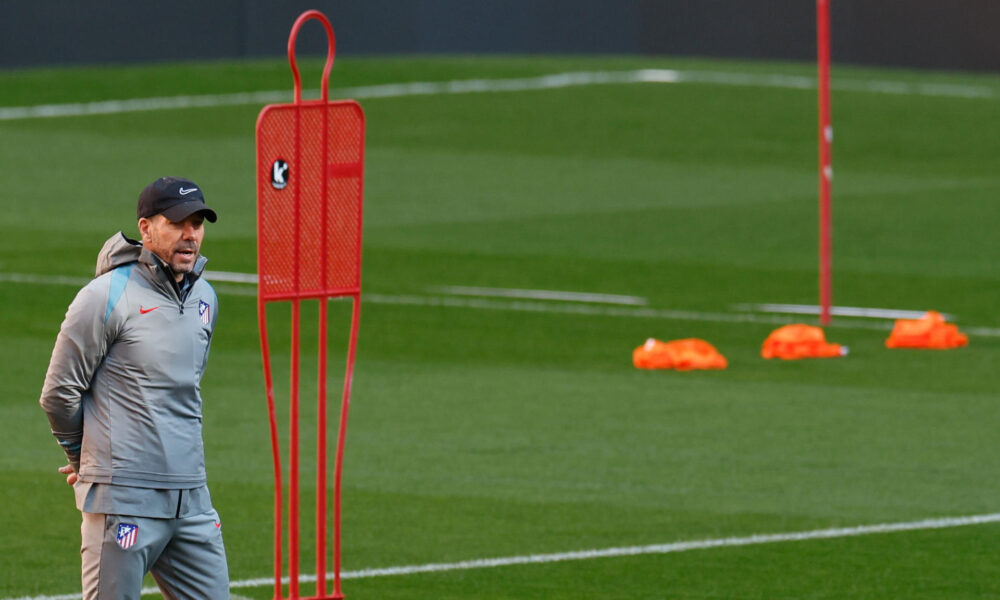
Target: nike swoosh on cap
[185,192]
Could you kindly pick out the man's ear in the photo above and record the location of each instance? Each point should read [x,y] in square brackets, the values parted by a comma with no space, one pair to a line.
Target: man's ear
[144,225]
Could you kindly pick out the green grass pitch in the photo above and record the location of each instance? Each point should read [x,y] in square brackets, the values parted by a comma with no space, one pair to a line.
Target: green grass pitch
[492,432]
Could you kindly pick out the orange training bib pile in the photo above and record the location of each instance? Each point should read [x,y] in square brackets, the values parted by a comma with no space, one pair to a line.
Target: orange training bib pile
[929,331]
[799,341]
[682,355]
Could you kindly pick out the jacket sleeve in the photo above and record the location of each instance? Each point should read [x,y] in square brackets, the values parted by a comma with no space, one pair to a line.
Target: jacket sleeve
[80,347]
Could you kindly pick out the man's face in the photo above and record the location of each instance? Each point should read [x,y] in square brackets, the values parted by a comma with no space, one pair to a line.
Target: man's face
[177,244]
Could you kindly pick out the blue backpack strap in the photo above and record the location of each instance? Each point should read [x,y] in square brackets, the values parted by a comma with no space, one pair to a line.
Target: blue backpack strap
[119,278]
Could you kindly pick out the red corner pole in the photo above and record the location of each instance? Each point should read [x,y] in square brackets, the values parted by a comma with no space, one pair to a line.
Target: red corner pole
[825,160]
[310,168]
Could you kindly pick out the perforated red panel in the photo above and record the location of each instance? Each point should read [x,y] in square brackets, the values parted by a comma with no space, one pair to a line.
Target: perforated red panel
[309,215]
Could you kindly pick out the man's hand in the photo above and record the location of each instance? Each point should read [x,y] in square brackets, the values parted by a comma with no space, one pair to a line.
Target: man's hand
[70,474]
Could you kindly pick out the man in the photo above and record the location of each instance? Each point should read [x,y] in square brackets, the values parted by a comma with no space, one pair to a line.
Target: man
[122,394]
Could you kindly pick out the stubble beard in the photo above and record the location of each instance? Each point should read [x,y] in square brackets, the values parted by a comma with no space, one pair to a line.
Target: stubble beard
[181,264]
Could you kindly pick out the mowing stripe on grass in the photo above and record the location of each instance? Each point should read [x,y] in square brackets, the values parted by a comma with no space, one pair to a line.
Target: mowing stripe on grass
[466,86]
[616,552]
[620,311]
[550,306]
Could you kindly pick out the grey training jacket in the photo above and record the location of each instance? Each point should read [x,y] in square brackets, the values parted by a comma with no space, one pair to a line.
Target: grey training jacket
[123,388]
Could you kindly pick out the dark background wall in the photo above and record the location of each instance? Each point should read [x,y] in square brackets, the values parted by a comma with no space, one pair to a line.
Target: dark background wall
[919,33]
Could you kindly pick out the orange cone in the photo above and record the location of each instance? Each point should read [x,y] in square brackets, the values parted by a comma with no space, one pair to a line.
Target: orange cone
[682,355]
[792,342]
[929,331]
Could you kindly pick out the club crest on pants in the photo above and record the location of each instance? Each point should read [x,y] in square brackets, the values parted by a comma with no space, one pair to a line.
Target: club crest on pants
[127,535]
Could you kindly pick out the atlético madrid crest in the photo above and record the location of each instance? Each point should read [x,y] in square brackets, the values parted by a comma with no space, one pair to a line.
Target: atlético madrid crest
[204,310]
[127,535]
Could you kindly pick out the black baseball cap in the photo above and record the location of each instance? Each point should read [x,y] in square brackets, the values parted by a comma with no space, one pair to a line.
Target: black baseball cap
[175,198]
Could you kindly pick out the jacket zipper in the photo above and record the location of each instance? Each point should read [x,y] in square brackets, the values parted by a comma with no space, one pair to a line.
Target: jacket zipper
[174,288]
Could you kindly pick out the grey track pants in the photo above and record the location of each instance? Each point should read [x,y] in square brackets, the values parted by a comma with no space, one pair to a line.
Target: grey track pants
[185,556]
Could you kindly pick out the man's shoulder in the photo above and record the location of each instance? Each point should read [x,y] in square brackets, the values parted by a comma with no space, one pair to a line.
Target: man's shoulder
[123,271]
[107,290]
[97,287]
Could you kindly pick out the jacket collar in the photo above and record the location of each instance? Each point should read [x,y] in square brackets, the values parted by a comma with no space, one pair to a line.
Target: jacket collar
[163,276]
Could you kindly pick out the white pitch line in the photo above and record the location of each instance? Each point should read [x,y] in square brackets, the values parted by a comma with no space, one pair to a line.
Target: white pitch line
[489,292]
[839,311]
[44,279]
[634,312]
[584,309]
[466,86]
[231,277]
[617,552]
